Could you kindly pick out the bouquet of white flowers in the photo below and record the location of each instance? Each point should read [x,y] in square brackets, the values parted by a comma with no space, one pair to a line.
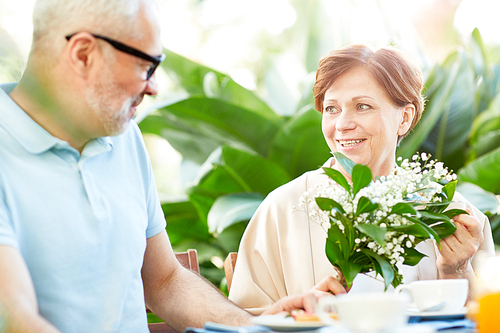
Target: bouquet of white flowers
[374,225]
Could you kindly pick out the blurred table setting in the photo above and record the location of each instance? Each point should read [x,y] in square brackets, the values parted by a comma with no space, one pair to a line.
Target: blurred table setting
[419,307]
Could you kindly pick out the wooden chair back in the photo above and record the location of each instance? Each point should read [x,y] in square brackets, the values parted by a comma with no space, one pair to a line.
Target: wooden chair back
[229,264]
[189,260]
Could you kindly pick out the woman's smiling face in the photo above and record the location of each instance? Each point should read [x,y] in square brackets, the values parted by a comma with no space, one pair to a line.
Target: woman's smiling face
[361,122]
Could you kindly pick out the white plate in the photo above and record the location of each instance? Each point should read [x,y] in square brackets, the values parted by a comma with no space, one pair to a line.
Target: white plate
[286,324]
[416,313]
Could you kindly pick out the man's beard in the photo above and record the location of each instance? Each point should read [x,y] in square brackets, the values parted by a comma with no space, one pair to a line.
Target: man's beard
[103,97]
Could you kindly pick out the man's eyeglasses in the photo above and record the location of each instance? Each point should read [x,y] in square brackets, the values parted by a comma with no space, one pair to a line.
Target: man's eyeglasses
[133,51]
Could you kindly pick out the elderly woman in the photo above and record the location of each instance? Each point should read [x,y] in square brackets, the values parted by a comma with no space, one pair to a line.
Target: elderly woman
[369,101]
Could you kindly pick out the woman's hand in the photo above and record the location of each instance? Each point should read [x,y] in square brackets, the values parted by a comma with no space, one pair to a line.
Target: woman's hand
[329,284]
[454,258]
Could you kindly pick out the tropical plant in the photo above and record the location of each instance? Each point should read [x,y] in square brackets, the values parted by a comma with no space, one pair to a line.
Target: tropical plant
[461,125]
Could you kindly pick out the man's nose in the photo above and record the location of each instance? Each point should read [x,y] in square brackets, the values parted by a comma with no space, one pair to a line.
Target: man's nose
[151,86]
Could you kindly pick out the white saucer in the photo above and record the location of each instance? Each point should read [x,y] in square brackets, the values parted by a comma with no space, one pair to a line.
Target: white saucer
[286,324]
[417,313]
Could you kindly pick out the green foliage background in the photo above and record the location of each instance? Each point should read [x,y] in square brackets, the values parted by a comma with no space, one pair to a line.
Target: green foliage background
[246,149]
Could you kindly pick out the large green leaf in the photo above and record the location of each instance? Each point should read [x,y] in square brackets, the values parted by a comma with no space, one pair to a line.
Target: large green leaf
[402,208]
[485,142]
[338,177]
[194,123]
[485,201]
[412,256]
[386,269]
[444,228]
[374,231]
[361,177]
[299,144]
[487,121]
[232,208]
[484,172]
[328,204]
[198,79]
[349,270]
[438,101]
[446,139]
[184,223]
[338,239]
[365,205]
[229,238]
[251,172]
[345,161]
[485,133]
[336,244]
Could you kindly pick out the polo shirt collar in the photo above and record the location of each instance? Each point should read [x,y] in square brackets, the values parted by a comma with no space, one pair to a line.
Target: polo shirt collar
[33,137]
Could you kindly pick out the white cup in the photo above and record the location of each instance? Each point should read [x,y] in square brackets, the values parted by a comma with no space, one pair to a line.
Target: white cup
[437,295]
[369,312]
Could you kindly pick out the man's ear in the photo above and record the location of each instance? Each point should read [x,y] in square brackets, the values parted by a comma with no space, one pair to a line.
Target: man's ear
[406,119]
[81,53]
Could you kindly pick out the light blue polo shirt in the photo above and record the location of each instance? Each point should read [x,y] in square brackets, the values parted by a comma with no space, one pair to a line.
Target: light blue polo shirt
[80,222]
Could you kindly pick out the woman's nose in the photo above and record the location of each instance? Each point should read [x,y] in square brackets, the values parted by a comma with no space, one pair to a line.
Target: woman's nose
[345,121]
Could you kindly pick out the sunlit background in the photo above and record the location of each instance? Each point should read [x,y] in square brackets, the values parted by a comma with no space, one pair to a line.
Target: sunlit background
[266,45]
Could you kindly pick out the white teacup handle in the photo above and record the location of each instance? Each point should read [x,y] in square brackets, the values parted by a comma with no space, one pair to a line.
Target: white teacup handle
[401,287]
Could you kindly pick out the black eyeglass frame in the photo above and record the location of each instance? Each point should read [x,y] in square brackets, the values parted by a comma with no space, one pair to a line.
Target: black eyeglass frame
[132,51]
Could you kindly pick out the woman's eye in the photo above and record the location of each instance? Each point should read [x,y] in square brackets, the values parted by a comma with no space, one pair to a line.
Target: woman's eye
[363,107]
[330,109]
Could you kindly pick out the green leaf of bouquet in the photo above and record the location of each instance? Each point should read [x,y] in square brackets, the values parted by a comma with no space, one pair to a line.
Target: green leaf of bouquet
[361,177]
[349,270]
[346,163]
[333,252]
[365,205]
[430,217]
[403,208]
[449,189]
[338,177]
[349,232]
[337,245]
[454,212]
[411,229]
[444,228]
[386,269]
[328,204]
[412,256]
[373,231]
[430,232]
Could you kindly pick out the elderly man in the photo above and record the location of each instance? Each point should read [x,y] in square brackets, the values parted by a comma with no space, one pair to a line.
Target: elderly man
[83,245]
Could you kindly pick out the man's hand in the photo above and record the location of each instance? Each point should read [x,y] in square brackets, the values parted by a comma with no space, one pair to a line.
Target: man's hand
[454,258]
[305,301]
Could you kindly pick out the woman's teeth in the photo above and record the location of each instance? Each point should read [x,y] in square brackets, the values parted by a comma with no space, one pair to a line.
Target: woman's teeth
[349,143]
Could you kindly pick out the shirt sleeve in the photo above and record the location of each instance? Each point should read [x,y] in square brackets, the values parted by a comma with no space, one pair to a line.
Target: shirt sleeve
[156,217]
[7,234]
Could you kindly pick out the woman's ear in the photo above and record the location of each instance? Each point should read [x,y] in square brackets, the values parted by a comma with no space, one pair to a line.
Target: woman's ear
[406,119]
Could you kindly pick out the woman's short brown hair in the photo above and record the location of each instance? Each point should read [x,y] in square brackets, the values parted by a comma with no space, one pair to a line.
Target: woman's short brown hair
[397,75]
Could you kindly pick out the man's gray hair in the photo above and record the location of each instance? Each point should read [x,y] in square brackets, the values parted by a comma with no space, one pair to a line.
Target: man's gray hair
[54,19]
